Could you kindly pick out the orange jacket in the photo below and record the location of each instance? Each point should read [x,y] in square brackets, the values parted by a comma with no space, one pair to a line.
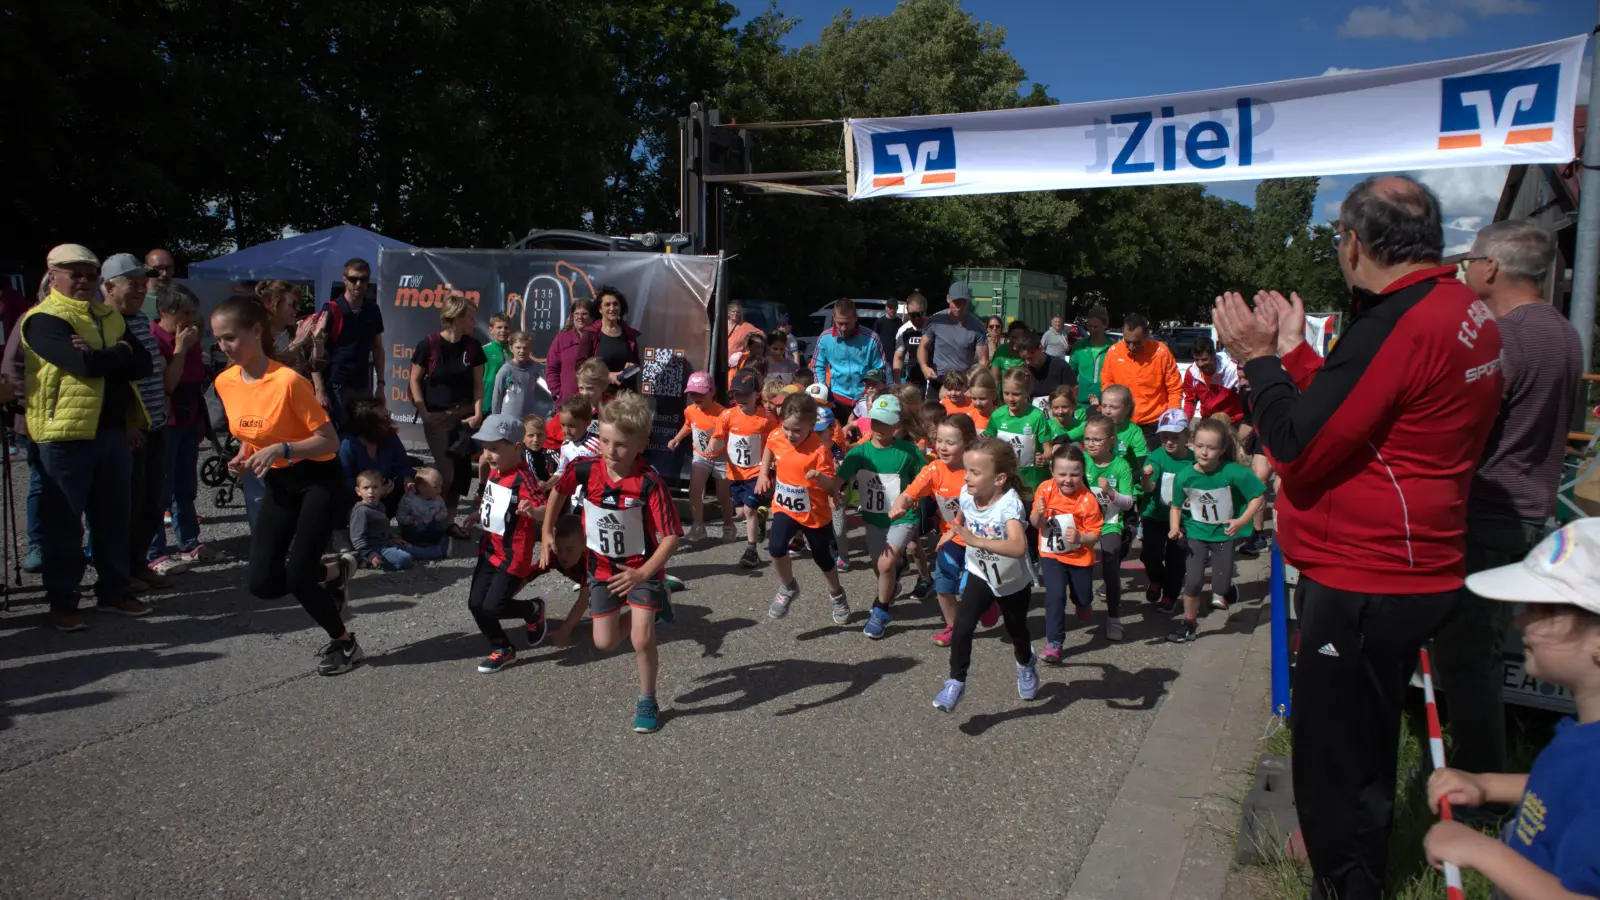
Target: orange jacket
[1151,374]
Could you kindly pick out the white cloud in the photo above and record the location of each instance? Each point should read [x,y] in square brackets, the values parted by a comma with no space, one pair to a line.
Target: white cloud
[1340,70]
[1421,20]
[1330,209]
[1468,197]
[1464,223]
[1453,249]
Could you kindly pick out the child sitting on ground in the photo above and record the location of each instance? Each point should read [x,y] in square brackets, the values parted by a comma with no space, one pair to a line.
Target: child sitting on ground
[1552,848]
[374,541]
[422,515]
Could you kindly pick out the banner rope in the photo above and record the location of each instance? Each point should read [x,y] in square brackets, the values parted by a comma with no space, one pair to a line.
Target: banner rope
[1452,875]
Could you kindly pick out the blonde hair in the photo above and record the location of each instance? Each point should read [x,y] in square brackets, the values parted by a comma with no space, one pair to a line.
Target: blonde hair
[1220,425]
[1005,463]
[1019,375]
[1121,389]
[430,477]
[370,476]
[519,337]
[533,423]
[984,380]
[455,306]
[772,387]
[628,413]
[912,425]
[593,371]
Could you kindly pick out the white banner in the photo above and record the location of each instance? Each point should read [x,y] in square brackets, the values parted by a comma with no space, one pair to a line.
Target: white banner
[1503,108]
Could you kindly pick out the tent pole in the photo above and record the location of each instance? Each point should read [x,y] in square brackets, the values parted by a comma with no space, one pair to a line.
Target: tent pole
[1586,264]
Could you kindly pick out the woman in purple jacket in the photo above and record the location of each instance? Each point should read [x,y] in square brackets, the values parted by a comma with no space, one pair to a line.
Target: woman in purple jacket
[561,362]
[612,339]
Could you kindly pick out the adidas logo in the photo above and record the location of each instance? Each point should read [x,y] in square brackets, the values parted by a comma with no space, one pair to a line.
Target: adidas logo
[610,521]
[1328,650]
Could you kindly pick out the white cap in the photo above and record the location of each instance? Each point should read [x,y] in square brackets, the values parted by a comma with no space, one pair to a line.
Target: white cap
[1562,569]
[1173,421]
[818,391]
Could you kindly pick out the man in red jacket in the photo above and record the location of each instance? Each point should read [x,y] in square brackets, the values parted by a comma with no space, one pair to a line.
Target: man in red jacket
[1211,385]
[1376,448]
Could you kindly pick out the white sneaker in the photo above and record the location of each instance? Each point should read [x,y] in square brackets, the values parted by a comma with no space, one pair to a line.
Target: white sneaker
[695,532]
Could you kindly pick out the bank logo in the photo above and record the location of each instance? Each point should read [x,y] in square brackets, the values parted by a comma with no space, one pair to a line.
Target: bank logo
[923,157]
[1499,108]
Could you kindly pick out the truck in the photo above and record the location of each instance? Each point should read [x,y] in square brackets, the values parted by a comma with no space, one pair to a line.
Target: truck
[1015,294]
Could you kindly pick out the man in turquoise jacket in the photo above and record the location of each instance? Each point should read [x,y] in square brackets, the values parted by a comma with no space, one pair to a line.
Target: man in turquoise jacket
[845,353]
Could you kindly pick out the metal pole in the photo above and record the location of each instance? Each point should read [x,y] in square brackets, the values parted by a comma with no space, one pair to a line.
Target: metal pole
[1281,704]
[1586,264]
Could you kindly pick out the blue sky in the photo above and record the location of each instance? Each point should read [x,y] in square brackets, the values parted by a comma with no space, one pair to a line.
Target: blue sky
[1099,51]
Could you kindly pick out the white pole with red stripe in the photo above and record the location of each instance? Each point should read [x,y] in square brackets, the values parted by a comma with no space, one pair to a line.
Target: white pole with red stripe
[1452,875]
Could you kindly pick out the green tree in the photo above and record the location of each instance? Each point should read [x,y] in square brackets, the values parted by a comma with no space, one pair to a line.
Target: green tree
[1281,218]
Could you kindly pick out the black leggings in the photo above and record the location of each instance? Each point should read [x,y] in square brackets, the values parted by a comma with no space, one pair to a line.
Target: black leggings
[292,530]
[819,539]
[1164,559]
[493,597]
[1111,572]
[975,598]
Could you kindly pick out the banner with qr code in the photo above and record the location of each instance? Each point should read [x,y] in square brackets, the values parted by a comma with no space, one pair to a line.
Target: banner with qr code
[668,295]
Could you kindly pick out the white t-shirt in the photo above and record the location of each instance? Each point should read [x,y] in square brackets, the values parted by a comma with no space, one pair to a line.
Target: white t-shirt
[1004,574]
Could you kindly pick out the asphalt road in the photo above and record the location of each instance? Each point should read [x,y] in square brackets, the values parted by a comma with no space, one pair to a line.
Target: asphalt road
[195,753]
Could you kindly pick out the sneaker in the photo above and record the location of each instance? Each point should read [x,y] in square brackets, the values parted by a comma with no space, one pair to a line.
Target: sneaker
[923,589]
[499,659]
[33,563]
[751,559]
[1219,602]
[876,623]
[1083,615]
[646,716]
[339,588]
[1152,594]
[1182,631]
[944,637]
[695,532]
[990,616]
[202,554]
[1051,653]
[841,609]
[124,606]
[339,657]
[1028,679]
[842,564]
[68,621]
[536,629]
[781,601]
[1113,631]
[170,565]
[166,519]
[1168,606]
[950,695]
[151,578]
[665,615]
[1100,589]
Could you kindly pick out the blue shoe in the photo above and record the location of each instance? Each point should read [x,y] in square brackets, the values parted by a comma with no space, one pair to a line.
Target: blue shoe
[33,563]
[876,623]
[950,695]
[1028,678]
[646,717]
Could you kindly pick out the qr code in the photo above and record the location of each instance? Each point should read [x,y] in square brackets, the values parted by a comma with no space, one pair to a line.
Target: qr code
[663,373]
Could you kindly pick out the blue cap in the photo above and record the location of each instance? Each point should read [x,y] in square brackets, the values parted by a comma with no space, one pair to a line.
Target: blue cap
[824,419]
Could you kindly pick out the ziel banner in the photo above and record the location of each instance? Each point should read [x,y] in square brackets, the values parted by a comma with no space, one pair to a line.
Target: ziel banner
[1511,107]
[668,296]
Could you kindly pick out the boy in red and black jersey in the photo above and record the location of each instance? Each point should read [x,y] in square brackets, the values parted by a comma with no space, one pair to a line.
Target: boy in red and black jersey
[630,528]
[511,505]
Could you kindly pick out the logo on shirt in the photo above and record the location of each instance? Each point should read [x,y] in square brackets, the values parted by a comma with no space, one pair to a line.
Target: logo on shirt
[1499,108]
[926,155]
[610,521]
[252,422]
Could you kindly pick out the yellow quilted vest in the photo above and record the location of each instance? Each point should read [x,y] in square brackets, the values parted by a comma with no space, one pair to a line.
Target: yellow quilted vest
[62,406]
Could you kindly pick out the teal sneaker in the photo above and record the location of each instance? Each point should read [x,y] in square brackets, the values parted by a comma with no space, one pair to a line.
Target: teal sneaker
[665,615]
[646,716]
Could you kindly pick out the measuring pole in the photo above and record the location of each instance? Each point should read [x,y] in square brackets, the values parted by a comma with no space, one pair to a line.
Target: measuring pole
[1586,261]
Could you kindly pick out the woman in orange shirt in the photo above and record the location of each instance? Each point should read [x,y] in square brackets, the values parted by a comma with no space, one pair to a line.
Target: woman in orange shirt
[287,441]
[942,480]
[1068,518]
[801,503]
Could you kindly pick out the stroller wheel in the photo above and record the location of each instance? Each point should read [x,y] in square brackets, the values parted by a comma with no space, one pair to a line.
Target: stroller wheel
[223,496]
[214,472]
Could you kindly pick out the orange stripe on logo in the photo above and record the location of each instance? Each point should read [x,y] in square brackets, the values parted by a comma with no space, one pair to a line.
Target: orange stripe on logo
[1459,141]
[1531,136]
[888,181]
[940,178]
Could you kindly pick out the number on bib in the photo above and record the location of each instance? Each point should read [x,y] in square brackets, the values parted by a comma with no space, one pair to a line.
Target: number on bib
[1211,507]
[1167,478]
[1108,509]
[794,498]
[949,508]
[1022,445]
[878,491]
[615,533]
[1003,574]
[702,440]
[496,507]
[1053,536]
[744,450]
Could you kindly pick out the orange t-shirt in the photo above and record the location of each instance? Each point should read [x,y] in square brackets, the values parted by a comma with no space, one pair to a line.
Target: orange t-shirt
[795,495]
[943,484]
[951,407]
[278,407]
[707,425]
[1085,512]
[747,437]
[979,420]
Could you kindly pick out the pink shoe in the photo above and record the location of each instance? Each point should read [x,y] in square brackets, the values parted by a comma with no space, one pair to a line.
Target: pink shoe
[944,637]
[990,616]
[1051,653]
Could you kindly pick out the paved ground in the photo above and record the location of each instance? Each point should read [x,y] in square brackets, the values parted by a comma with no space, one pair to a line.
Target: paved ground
[194,753]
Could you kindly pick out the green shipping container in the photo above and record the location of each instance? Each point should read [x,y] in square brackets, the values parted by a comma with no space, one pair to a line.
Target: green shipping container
[1015,294]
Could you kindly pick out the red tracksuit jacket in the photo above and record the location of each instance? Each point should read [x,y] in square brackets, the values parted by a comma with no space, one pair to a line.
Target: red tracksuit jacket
[1219,393]
[1376,444]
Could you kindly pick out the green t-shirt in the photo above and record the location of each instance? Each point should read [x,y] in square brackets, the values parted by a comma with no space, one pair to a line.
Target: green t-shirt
[495,356]
[1121,479]
[1025,434]
[884,473]
[1130,443]
[1165,475]
[1088,360]
[1210,499]
[1005,360]
[1055,432]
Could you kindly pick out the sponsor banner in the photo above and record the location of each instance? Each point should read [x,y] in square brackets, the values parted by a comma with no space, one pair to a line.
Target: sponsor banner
[1511,107]
[669,297]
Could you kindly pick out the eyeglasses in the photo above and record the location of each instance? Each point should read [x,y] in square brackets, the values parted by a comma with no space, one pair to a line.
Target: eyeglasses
[994,327]
[917,314]
[1338,236]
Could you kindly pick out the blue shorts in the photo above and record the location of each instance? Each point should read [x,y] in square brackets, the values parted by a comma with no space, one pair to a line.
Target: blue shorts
[949,565]
[744,494]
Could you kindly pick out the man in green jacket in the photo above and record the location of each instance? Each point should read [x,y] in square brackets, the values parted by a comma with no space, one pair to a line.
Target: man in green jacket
[1089,354]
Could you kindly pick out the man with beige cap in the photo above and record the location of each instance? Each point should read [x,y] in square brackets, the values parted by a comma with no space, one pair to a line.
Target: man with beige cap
[81,366]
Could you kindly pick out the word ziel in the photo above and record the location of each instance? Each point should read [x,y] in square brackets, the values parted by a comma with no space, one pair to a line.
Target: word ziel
[1205,146]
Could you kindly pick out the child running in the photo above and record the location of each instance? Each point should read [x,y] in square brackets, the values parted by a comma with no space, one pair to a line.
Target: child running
[706,421]
[749,423]
[1164,559]
[1116,403]
[505,552]
[1068,519]
[1211,490]
[881,466]
[984,395]
[631,529]
[1022,425]
[801,503]
[941,482]
[991,525]
[1112,483]
[1066,419]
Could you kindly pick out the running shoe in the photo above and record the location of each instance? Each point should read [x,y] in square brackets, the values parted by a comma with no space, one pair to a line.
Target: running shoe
[501,658]
[646,716]
[1152,594]
[1219,602]
[695,532]
[1082,614]
[1168,606]
[203,555]
[170,565]
[1028,679]
[950,695]
[876,623]
[151,578]
[944,637]
[781,601]
[1051,653]
[537,628]
[339,657]
[841,609]
[124,606]
[990,616]
[665,615]
[33,563]
[842,564]
[923,589]
[1183,630]
[751,559]
[1113,630]
[1100,589]
[67,621]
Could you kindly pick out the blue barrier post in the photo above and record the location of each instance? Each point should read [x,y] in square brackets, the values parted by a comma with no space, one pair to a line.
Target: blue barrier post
[1280,636]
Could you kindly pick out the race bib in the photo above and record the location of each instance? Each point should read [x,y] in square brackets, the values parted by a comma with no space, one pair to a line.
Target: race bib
[878,491]
[1210,507]
[744,450]
[1167,478]
[949,507]
[702,440]
[1042,404]
[496,506]
[1003,574]
[1023,445]
[1108,509]
[1053,536]
[615,533]
[794,498]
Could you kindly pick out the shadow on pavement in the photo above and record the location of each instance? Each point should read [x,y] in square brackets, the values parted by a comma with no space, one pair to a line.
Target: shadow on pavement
[1126,691]
[64,674]
[757,683]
